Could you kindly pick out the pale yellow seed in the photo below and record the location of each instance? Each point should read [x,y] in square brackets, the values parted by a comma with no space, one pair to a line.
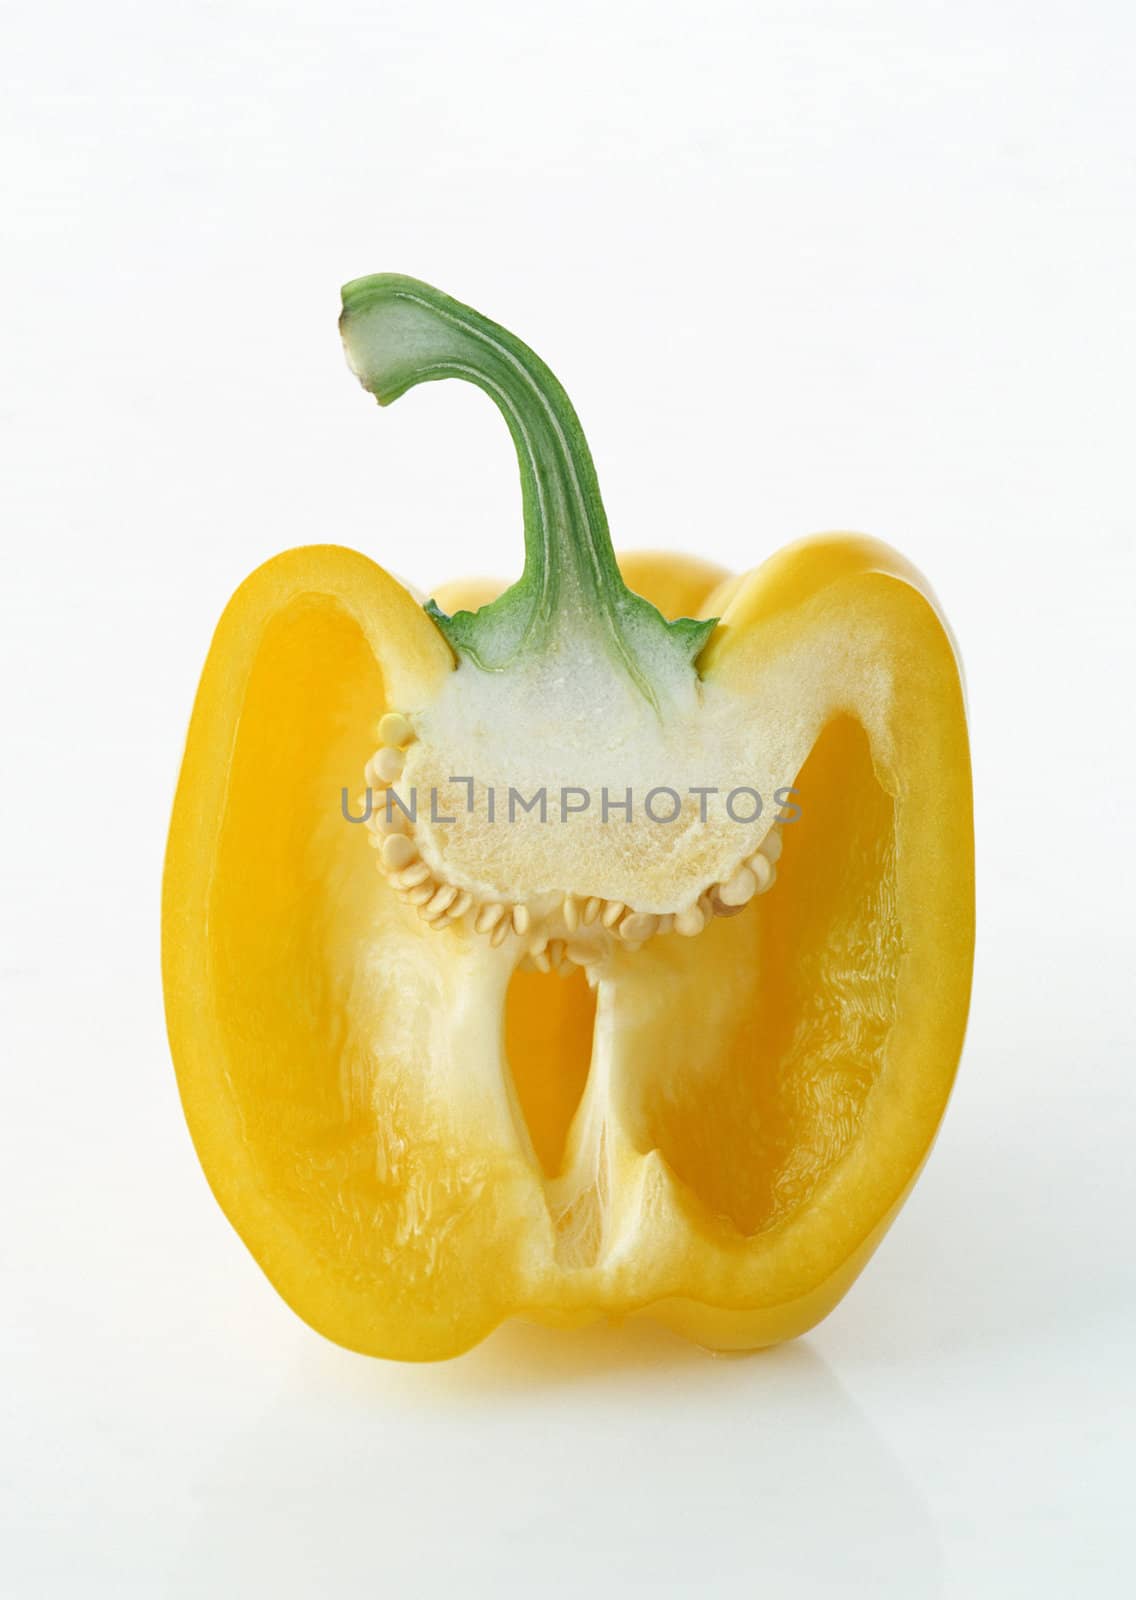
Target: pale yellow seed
[448,918]
[666,924]
[422,892]
[772,845]
[397,822]
[556,953]
[522,919]
[690,922]
[461,905]
[583,954]
[398,851]
[443,899]
[411,877]
[388,765]
[763,870]
[540,961]
[721,909]
[640,925]
[738,890]
[488,918]
[394,729]
[500,933]
[592,910]
[571,913]
[612,913]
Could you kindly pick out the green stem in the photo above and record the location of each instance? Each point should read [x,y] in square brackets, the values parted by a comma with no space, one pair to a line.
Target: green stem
[399,332]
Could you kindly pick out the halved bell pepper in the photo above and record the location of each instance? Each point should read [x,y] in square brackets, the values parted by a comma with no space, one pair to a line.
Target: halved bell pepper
[451,1053]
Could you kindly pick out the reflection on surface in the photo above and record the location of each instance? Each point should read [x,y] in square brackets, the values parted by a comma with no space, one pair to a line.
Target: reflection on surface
[615,1459]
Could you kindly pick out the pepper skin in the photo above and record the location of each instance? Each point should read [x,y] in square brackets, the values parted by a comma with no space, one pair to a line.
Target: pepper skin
[428,1101]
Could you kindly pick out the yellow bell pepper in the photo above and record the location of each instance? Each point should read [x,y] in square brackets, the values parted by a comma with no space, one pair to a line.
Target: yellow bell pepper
[450,1051]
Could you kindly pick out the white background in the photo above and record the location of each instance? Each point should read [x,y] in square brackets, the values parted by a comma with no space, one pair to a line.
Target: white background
[800,266]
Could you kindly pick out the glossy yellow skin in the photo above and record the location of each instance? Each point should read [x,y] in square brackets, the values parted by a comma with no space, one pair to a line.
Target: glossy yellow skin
[382,1110]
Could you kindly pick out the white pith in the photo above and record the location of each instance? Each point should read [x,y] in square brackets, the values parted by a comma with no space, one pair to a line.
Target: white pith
[569,892]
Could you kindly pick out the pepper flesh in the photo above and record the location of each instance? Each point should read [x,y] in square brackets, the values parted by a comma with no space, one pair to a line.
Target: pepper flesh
[416,1139]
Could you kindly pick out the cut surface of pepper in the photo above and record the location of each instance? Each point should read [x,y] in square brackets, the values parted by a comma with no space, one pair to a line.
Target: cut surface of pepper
[598,946]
